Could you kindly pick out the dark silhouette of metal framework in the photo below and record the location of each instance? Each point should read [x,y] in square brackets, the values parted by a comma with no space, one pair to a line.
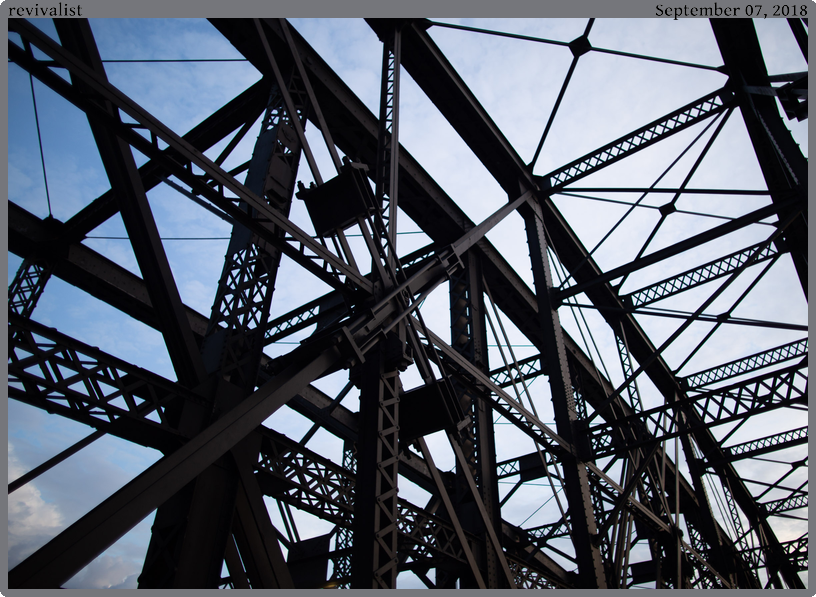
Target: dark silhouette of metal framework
[608,455]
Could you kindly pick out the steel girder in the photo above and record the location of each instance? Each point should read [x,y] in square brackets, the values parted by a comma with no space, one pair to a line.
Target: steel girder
[594,497]
[324,358]
[449,93]
[781,160]
[129,387]
[311,402]
[28,285]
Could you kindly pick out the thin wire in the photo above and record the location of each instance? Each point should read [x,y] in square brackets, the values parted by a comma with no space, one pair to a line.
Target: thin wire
[771,460]
[562,275]
[665,190]
[656,59]
[679,211]
[499,33]
[704,317]
[589,255]
[541,506]
[526,484]
[164,237]
[183,60]
[408,232]
[39,140]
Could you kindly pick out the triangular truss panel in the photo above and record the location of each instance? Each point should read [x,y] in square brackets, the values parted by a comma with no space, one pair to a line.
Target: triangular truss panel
[574,356]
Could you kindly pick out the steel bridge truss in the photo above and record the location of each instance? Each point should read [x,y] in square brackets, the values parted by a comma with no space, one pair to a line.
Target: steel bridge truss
[632,488]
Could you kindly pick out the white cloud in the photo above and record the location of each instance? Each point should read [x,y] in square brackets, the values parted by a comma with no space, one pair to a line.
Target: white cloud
[107,572]
[32,521]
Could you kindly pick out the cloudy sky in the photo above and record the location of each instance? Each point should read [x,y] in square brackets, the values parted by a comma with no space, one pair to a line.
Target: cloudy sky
[517,82]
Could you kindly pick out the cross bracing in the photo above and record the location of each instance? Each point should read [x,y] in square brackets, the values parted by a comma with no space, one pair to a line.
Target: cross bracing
[536,445]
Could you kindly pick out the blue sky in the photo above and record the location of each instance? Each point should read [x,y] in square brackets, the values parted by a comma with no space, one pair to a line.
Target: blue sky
[517,82]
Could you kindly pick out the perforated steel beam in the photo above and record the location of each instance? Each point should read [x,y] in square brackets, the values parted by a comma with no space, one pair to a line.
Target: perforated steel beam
[762,393]
[645,136]
[765,445]
[71,550]
[695,277]
[746,365]
[582,519]
[28,285]
[786,504]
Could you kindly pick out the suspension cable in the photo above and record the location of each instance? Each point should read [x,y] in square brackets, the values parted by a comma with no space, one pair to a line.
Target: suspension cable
[563,43]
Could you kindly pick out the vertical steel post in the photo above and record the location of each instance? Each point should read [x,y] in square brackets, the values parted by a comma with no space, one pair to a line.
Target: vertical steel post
[469,338]
[232,347]
[374,556]
[387,167]
[590,566]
